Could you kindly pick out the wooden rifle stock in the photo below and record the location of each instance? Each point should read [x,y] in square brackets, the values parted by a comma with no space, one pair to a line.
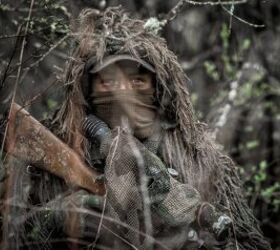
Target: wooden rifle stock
[28,140]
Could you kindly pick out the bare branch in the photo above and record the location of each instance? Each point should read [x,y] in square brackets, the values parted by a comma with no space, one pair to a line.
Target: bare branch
[19,69]
[11,57]
[27,69]
[49,51]
[34,98]
[174,12]
[190,65]
[11,36]
[177,9]
[156,25]
[241,19]
[216,3]
[93,245]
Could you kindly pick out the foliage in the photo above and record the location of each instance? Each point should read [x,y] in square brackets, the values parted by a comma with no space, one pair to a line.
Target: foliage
[256,179]
[256,108]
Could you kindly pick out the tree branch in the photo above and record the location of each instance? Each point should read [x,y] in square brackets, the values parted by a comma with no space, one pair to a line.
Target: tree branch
[19,70]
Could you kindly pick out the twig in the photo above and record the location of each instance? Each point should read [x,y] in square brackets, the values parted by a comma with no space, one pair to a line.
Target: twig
[155,25]
[27,69]
[179,6]
[174,12]
[93,245]
[11,36]
[19,70]
[121,238]
[11,58]
[217,3]
[241,19]
[189,65]
[230,19]
[233,226]
[146,199]
[34,98]
[84,211]
[49,51]
[8,8]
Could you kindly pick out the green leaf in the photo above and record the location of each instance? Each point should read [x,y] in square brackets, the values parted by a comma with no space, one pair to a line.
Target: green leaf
[252,144]
[52,103]
[246,44]
[263,165]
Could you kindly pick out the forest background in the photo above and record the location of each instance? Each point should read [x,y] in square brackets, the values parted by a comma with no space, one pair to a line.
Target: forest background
[231,53]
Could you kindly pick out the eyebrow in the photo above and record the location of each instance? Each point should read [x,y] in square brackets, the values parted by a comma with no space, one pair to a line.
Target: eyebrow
[135,74]
[106,72]
[137,71]
[131,71]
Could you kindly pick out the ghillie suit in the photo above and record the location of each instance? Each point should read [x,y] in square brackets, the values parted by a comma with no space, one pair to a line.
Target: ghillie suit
[185,143]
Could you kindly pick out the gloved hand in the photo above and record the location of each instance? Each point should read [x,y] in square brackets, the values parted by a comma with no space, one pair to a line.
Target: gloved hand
[82,199]
[79,213]
[214,221]
[204,240]
[158,184]
[59,214]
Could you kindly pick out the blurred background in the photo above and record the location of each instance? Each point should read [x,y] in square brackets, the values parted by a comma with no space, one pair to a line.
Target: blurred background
[231,53]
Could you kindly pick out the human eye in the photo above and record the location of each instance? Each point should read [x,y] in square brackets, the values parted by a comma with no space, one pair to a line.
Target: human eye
[109,82]
[138,81]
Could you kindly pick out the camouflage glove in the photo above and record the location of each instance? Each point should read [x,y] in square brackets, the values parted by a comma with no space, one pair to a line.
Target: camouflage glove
[65,214]
[210,219]
[82,199]
[204,240]
[158,183]
[80,208]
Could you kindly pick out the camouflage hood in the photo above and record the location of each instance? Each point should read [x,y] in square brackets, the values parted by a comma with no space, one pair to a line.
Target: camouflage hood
[114,32]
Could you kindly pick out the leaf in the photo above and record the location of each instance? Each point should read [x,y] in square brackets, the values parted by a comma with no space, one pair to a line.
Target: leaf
[263,165]
[252,144]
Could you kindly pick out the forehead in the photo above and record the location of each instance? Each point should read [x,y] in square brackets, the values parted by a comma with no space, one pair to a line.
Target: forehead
[126,67]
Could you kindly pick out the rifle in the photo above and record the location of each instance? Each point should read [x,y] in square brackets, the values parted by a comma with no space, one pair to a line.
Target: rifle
[31,142]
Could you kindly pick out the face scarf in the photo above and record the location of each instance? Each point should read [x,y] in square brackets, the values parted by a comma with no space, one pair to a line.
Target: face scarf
[136,107]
